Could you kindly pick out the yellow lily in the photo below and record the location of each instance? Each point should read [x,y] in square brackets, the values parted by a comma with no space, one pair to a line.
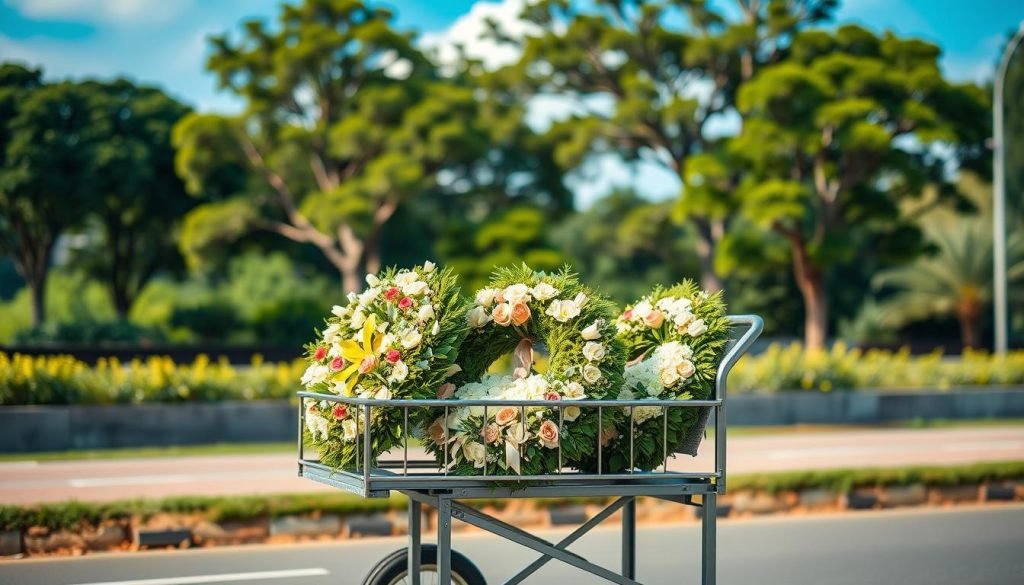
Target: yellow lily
[358,355]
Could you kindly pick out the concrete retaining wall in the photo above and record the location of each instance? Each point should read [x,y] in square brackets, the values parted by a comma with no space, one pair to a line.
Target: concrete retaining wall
[59,428]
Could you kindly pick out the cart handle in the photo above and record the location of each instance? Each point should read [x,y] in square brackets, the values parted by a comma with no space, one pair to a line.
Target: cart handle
[754,325]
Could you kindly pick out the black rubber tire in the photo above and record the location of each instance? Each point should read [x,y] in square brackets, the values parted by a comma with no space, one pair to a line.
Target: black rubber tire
[394,566]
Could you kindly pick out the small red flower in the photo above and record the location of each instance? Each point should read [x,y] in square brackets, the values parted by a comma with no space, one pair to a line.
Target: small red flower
[551,396]
[391,294]
[337,363]
[405,303]
[393,355]
[321,353]
[340,411]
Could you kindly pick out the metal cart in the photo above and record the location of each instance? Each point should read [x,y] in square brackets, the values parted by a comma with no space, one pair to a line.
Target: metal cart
[423,483]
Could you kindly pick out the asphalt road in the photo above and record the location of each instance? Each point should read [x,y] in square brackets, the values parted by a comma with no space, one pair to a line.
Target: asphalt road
[960,546]
[103,480]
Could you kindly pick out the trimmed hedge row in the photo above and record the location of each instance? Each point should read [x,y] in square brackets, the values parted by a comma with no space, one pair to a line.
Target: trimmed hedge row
[69,515]
[66,380]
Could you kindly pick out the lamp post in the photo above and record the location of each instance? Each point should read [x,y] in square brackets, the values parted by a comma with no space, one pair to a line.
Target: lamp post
[999,196]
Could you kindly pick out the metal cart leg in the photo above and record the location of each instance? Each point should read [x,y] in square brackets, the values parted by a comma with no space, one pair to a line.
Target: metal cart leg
[444,540]
[629,539]
[415,519]
[709,515]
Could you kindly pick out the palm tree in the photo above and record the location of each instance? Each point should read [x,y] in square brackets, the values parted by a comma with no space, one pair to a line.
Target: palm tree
[956,280]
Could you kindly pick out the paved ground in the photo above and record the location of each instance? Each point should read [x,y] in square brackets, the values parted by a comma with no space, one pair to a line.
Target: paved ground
[961,546]
[99,480]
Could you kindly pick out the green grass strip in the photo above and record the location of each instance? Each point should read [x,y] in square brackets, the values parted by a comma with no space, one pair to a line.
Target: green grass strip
[69,515]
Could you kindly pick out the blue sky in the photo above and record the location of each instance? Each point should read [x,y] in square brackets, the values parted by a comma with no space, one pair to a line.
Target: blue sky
[164,41]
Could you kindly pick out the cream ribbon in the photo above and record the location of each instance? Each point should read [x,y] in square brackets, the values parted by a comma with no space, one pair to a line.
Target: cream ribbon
[523,358]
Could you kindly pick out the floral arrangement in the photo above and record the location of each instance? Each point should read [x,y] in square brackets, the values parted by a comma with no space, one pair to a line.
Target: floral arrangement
[399,339]
[519,310]
[675,339]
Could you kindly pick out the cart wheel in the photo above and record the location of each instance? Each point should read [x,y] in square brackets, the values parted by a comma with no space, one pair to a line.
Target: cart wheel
[394,569]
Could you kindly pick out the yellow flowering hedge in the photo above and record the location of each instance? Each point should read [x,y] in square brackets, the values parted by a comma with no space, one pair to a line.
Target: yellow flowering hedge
[65,380]
[62,379]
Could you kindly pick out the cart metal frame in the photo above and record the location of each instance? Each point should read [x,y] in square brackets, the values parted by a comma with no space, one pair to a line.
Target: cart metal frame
[422,483]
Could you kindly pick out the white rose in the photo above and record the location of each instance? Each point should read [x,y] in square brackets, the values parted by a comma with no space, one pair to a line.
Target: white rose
[696,327]
[592,332]
[517,433]
[426,312]
[349,429]
[593,351]
[358,318]
[338,311]
[563,310]
[429,267]
[544,291]
[517,293]
[591,374]
[571,413]
[382,393]
[475,452]
[415,289]
[367,296]
[399,371]
[641,310]
[478,317]
[405,278]
[574,391]
[411,338]
[669,377]
[314,374]
[331,333]
[372,280]
[485,296]
[685,369]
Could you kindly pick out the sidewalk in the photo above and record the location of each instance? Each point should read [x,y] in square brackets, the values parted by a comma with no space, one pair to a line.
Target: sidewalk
[98,480]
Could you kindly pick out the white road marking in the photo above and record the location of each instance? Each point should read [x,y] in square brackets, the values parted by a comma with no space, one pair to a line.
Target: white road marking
[799,453]
[222,578]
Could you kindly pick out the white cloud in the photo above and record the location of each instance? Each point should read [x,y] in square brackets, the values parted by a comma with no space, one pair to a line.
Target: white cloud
[112,12]
[469,30]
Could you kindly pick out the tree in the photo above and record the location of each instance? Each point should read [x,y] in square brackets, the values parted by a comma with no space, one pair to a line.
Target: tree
[45,175]
[650,87]
[344,122]
[137,200]
[837,135]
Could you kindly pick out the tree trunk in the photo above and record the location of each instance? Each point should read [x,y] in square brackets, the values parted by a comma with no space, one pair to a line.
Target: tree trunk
[709,278]
[968,313]
[351,278]
[811,282]
[38,289]
[372,252]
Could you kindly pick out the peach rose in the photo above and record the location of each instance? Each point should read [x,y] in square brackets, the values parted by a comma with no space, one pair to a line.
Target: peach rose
[548,434]
[490,434]
[446,391]
[368,364]
[506,415]
[608,435]
[437,431]
[502,314]
[654,319]
[520,313]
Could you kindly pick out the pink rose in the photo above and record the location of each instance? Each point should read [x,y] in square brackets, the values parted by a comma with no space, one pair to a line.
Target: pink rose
[340,411]
[627,314]
[548,434]
[552,396]
[405,303]
[321,353]
[391,294]
[502,314]
[337,363]
[393,355]
[654,319]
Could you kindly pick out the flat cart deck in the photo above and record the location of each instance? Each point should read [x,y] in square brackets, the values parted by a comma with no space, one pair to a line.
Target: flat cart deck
[423,483]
